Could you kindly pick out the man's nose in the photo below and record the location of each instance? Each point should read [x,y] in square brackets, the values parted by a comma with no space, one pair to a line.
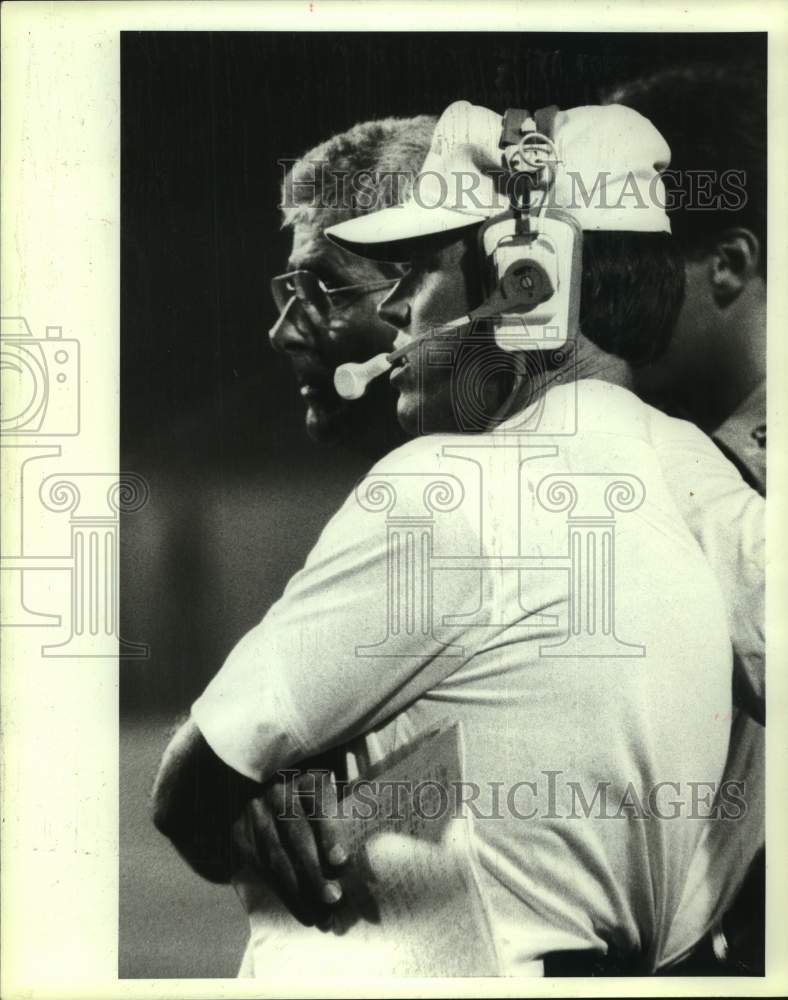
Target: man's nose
[292,330]
[395,308]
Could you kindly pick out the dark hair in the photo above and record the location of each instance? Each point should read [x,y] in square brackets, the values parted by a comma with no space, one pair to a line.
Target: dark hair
[631,292]
[713,117]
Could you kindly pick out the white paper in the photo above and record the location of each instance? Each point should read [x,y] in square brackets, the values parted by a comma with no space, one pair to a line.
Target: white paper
[413,902]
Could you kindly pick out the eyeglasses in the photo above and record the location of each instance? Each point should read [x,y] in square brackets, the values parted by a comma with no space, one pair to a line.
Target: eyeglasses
[307,288]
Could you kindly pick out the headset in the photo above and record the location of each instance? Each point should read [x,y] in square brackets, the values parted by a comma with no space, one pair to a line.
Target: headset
[533,251]
[532,256]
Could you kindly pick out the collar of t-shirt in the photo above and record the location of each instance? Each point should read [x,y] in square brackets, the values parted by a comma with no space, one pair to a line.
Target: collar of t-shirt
[743,438]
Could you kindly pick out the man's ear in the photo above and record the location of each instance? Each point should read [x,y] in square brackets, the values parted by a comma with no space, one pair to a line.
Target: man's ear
[735,260]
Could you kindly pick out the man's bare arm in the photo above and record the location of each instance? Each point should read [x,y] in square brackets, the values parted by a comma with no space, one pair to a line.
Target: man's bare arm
[197,800]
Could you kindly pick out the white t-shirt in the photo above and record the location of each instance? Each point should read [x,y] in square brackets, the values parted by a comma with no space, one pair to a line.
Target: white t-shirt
[568,617]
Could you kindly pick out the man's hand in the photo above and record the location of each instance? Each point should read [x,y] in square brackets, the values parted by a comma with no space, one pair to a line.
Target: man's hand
[290,835]
[197,800]
[219,820]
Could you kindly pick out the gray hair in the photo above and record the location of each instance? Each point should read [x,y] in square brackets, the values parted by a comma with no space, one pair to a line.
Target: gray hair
[371,166]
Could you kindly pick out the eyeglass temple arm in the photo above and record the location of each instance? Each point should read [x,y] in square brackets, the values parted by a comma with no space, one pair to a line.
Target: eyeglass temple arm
[370,287]
[282,317]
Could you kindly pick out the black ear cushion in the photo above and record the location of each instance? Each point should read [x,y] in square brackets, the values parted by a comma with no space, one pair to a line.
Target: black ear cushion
[545,120]
[510,128]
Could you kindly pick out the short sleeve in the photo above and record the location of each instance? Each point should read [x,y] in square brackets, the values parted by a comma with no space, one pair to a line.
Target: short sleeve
[361,630]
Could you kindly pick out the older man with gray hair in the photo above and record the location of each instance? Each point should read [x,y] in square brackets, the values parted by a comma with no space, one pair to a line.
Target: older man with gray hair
[328,298]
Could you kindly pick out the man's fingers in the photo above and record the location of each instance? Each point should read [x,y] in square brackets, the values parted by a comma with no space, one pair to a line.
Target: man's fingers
[273,858]
[298,838]
[277,866]
[244,843]
[324,817]
[293,830]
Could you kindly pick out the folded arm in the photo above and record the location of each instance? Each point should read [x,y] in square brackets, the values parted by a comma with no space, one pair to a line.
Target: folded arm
[220,820]
[197,800]
[301,683]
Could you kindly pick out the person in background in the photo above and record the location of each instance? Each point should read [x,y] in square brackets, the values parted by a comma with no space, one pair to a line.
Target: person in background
[334,319]
[714,120]
[714,373]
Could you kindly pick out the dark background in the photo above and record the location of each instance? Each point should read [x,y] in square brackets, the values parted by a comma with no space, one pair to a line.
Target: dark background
[209,414]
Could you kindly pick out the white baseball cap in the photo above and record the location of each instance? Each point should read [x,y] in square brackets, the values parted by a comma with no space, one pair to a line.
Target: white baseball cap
[607,176]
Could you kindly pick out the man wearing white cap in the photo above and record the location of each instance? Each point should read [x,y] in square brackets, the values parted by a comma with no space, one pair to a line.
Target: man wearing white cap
[571,623]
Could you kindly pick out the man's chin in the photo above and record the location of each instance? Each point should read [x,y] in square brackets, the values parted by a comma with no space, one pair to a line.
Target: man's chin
[325,423]
[366,425]
[408,415]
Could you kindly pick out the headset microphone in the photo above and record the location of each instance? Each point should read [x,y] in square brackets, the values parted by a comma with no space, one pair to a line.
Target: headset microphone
[532,254]
[351,379]
[525,285]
